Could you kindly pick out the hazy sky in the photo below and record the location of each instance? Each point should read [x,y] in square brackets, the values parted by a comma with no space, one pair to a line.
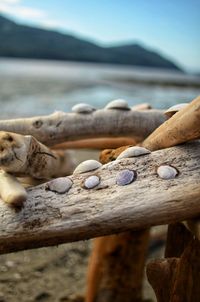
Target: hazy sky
[171,27]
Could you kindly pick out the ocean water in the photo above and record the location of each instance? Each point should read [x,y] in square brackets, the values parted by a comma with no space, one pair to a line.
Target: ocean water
[31,87]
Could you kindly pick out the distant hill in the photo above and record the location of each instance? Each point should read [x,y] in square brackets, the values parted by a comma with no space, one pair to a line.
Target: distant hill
[22,41]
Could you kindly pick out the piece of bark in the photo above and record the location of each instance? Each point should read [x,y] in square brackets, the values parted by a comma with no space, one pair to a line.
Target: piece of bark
[178,238]
[60,127]
[49,218]
[117,264]
[161,276]
[193,225]
[180,128]
[186,285]
[24,155]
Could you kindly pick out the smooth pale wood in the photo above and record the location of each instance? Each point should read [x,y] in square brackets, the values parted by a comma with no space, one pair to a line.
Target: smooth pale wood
[183,126]
[49,218]
[11,190]
[60,127]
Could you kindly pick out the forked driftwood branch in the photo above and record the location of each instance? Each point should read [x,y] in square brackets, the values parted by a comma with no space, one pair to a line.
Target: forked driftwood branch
[60,127]
[49,218]
[23,155]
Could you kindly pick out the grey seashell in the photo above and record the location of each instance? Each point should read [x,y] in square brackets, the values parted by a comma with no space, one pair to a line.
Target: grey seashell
[133,152]
[87,165]
[118,104]
[167,172]
[83,108]
[59,185]
[91,182]
[125,177]
[172,110]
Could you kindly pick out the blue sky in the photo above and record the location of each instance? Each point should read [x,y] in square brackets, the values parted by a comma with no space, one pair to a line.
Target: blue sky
[171,27]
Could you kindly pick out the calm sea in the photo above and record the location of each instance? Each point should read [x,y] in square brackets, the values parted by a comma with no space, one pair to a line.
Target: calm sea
[30,87]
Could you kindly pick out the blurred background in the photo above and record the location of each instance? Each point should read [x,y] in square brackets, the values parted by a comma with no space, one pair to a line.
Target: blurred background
[56,53]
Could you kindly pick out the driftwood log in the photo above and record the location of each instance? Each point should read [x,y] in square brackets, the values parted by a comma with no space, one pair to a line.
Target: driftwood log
[60,127]
[49,218]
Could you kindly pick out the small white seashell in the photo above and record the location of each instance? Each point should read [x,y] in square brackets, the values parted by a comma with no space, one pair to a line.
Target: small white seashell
[118,104]
[172,110]
[91,182]
[59,185]
[87,165]
[133,152]
[83,108]
[167,172]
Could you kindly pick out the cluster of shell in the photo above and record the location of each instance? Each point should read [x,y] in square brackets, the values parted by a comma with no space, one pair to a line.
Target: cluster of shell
[118,104]
[63,184]
[124,177]
[121,104]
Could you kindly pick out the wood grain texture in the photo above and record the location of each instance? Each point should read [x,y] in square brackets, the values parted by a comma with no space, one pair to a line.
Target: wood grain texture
[49,218]
[60,127]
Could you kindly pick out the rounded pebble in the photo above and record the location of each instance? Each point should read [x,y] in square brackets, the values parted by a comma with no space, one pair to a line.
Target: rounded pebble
[118,104]
[167,172]
[59,185]
[87,165]
[133,152]
[125,177]
[83,108]
[91,182]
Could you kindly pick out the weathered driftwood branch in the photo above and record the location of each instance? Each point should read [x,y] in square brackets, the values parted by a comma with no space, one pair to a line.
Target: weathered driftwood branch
[60,127]
[180,128]
[177,279]
[49,218]
[24,155]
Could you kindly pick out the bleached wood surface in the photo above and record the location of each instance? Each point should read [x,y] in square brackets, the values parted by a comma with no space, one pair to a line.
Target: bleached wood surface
[49,218]
[60,127]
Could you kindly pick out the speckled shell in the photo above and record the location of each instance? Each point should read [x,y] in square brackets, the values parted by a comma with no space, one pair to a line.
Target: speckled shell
[133,152]
[167,172]
[91,182]
[125,177]
[118,104]
[59,185]
[172,110]
[83,108]
[87,165]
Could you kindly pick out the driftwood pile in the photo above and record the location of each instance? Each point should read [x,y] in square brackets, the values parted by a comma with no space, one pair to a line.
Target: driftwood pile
[126,195]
